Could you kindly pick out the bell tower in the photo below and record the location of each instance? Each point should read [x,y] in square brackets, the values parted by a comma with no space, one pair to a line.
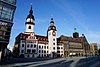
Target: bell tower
[30,22]
[51,33]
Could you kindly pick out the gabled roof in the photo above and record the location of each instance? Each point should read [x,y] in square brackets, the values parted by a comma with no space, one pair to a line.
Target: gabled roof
[39,37]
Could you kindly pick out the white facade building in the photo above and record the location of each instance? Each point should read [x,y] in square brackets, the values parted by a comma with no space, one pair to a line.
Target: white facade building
[32,45]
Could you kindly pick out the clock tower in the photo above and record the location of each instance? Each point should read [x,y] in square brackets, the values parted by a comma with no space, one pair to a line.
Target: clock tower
[30,22]
[51,33]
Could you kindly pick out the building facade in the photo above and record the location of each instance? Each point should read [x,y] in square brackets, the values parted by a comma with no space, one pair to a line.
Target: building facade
[94,49]
[7,9]
[29,44]
[74,46]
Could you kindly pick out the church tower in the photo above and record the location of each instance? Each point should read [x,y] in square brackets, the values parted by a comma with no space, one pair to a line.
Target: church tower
[30,22]
[51,33]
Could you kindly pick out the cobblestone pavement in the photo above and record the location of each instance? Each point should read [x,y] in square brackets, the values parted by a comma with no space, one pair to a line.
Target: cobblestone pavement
[58,62]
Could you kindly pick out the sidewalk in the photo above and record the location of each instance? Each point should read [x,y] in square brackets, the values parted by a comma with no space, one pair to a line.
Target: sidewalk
[33,64]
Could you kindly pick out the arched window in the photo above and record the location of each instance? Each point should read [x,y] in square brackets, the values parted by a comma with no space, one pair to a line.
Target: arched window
[29,27]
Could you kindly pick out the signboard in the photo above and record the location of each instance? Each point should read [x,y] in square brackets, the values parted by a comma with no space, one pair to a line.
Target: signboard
[6,24]
[75,45]
[3,28]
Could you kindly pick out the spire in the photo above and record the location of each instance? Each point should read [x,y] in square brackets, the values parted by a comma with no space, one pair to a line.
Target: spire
[52,20]
[75,29]
[30,18]
[31,11]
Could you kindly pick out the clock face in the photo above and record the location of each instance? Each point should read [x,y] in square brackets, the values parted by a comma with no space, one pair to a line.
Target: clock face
[53,33]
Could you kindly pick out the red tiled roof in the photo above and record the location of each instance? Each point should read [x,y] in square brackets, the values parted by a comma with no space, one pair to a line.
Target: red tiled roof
[24,36]
[41,38]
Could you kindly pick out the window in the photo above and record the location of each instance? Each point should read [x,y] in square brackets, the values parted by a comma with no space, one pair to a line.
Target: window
[11,1]
[58,47]
[42,55]
[47,47]
[2,34]
[53,43]
[39,51]
[44,51]
[54,48]
[28,45]
[6,13]
[0,9]
[34,46]
[44,47]
[31,45]
[39,55]
[33,51]
[53,39]
[29,27]
[39,46]
[22,45]
[58,51]
[47,51]
[28,51]
[22,51]
[61,47]
[61,51]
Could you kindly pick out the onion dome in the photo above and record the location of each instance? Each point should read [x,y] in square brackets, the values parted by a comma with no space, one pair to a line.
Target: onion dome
[52,27]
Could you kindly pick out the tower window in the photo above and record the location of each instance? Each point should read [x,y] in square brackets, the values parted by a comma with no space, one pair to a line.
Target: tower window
[29,27]
[54,48]
[53,43]
[53,39]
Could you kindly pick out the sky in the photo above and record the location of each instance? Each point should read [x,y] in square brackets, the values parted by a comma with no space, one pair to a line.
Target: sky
[67,14]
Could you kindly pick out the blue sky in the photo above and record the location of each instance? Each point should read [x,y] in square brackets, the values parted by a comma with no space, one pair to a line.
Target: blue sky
[67,14]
